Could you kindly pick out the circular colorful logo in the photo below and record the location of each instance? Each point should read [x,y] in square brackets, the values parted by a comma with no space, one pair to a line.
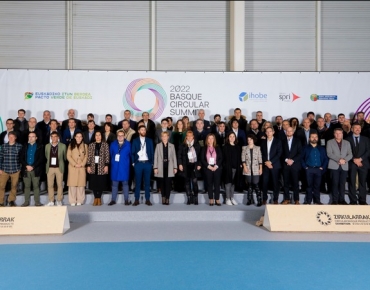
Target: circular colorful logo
[243,96]
[145,84]
[314,97]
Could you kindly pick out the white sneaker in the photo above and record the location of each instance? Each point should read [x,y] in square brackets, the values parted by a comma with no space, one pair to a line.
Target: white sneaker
[78,203]
[233,201]
[228,201]
[51,203]
[59,203]
[73,204]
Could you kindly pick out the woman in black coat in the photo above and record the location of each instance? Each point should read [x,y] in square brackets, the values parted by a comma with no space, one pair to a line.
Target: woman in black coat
[188,162]
[211,158]
[231,166]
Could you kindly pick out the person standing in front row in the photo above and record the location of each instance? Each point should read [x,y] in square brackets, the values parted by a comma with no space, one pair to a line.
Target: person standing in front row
[120,154]
[33,161]
[55,153]
[10,166]
[211,157]
[77,158]
[165,166]
[188,161]
[97,166]
[142,158]
[314,162]
[339,153]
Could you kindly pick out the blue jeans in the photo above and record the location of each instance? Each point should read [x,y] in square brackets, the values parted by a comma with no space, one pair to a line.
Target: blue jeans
[142,169]
[115,189]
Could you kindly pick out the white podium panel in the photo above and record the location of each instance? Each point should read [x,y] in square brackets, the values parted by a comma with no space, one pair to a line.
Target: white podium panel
[34,220]
[317,218]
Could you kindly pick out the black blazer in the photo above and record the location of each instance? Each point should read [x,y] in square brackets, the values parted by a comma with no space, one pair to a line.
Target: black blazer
[46,138]
[182,157]
[65,124]
[85,135]
[363,150]
[227,162]
[275,152]
[203,157]
[150,130]
[39,162]
[302,136]
[294,153]
[220,140]
[132,124]
[24,136]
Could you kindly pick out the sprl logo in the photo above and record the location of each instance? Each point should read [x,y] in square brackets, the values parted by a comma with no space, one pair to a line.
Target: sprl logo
[28,95]
[287,97]
[145,84]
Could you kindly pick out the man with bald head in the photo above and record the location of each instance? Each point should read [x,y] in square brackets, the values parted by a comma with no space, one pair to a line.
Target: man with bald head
[71,115]
[201,115]
[291,161]
[31,128]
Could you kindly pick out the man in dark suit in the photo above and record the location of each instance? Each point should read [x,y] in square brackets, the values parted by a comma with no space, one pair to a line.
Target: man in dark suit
[53,127]
[142,158]
[4,136]
[271,150]
[164,128]
[70,132]
[216,121]
[304,134]
[127,116]
[278,125]
[89,135]
[221,134]
[240,134]
[253,129]
[282,133]
[260,120]
[149,125]
[241,120]
[327,119]
[311,117]
[291,161]
[201,115]
[44,125]
[200,133]
[71,115]
[20,123]
[31,128]
[359,165]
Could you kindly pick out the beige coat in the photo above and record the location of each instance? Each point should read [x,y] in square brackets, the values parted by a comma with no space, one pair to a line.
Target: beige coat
[247,158]
[158,159]
[77,176]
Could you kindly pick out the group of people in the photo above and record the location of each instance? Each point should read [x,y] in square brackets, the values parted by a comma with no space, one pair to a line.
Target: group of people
[236,155]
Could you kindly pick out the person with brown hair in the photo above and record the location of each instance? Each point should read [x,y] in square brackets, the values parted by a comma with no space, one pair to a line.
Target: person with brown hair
[211,158]
[77,158]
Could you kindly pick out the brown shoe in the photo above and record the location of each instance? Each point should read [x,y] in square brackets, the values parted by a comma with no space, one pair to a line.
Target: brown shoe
[136,202]
[286,201]
[296,202]
[264,202]
[148,202]
[98,201]
[95,202]
[163,200]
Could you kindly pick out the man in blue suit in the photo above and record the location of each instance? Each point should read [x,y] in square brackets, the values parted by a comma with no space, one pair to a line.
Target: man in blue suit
[142,157]
[69,132]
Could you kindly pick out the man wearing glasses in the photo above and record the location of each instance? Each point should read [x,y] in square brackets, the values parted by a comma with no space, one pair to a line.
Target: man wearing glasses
[4,136]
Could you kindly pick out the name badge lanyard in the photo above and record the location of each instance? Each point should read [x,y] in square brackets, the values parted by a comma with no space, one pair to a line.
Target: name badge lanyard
[211,160]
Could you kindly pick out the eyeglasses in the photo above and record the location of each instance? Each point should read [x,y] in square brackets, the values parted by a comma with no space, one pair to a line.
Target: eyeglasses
[8,123]
[120,135]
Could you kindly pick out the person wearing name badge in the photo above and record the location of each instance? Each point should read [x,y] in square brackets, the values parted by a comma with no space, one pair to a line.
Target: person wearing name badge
[188,162]
[165,166]
[142,157]
[120,154]
[55,153]
[77,158]
[33,161]
[97,166]
[211,158]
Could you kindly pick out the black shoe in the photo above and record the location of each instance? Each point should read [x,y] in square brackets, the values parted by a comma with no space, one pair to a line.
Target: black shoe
[128,202]
[12,203]
[38,204]
[195,200]
[1,204]
[218,203]
[148,202]
[355,203]
[319,203]
[26,203]
[136,202]
[343,202]
[112,203]
[362,203]
[334,203]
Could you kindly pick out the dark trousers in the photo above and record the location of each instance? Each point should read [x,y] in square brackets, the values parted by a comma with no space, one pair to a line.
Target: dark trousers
[143,170]
[273,175]
[339,177]
[313,177]
[290,177]
[165,183]
[213,181]
[362,174]
[191,180]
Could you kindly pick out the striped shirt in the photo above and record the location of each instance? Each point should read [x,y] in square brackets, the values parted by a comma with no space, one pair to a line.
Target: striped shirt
[9,158]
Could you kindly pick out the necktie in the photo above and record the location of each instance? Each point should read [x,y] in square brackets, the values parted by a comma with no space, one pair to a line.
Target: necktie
[356,141]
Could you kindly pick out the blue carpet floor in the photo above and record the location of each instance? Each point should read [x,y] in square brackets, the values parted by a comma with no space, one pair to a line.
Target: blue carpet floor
[186,265]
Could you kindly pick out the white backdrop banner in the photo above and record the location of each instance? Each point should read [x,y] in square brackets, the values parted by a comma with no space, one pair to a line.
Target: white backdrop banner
[175,94]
